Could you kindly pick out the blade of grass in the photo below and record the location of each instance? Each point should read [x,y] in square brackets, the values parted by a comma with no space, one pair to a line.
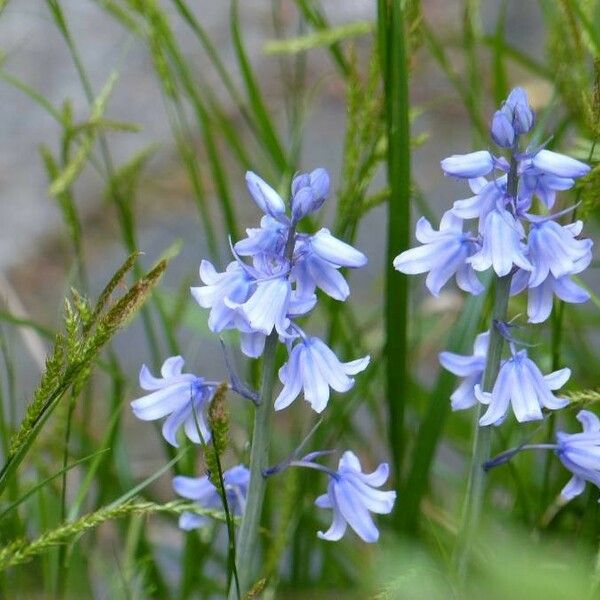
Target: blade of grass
[254,94]
[500,81]
[44,482]
[439,53]
[391,39]
[430,431]
[313,14]
[319,39]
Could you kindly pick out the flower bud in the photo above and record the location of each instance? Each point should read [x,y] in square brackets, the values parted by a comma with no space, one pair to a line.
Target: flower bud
[309,192]
[502,130]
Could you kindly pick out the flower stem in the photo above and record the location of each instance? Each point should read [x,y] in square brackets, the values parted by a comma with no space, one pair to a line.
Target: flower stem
[482,439]
[248,536]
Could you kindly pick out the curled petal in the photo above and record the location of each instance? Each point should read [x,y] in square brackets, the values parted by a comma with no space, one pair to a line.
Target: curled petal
[559,164]
[468,166]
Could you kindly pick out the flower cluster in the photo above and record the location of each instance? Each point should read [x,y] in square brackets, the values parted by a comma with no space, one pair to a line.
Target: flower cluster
[271,282]
[535,250]
[269,294]
[509,225]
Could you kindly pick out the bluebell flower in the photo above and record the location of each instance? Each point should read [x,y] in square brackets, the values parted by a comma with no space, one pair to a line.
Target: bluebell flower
[488,195]
[468,166]
[265,197]
[309,192]
[352,496]
[444,254]
[317,260]
[521,384]
[554,249]
[580,454]
[252,343]
[205,494]
[502,247]
[471,368]
[534,182]
[233,285]
[267,306]
[559,165]
[518,112]
[269,238]
[181,397]
[313,367]
[540,298]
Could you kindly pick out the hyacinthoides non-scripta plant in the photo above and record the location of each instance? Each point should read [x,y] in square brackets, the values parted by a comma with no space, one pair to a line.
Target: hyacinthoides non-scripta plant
[268,286]
[517,236]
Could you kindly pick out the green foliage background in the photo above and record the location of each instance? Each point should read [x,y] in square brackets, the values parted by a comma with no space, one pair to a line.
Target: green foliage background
[75,522]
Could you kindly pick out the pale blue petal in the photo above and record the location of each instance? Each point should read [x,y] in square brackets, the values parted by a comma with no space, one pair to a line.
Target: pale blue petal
[266,198]
[461,365]
[199,489]
[557,379]
[574,487]
[539,302]
[172,367]
[290,375]
[252,344]
[468,166]
[523,395]
[316,390]
[328,278]
[162,402]
[335,251]
[149,382]
[328,364]
[189,521]
[559,164]
[354,367]
[354,512]
[590,422]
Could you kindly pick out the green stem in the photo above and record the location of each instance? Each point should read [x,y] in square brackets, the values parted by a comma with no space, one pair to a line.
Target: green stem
[248,536]
[482,438]
[395,77]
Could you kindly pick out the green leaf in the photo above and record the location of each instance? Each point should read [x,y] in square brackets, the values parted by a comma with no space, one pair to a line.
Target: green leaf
[319,39]
[72,169]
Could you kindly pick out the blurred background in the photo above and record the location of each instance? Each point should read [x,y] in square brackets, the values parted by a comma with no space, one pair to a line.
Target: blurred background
[203,92]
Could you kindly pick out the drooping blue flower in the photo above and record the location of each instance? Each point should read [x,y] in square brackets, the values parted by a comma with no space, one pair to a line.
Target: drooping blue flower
[252,342]
[313,367]
[580,454]
[520,383]
[206,495]
[317,260]
[539,299]
[554,249]
[502,247]
[181,397]
[265,197]
[468,166]
[233,285]
[352,495]
[267,306]
[471,368]
[544,186]
[309,192]
[444,253]
[559,165]
[543,173]
[269,238]
[488,195]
